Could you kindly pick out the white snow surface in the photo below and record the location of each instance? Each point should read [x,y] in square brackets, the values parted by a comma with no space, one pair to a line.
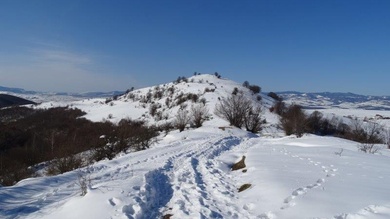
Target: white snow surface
[188,174]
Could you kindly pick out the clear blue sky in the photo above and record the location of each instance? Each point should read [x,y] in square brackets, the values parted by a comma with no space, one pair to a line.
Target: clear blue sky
[96,45]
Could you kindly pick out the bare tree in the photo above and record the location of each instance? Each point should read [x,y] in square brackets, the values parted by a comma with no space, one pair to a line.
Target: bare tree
[182,119]
[371,137]
[386,137]
[294,120]
[253,120]
[234,109]
[199,114]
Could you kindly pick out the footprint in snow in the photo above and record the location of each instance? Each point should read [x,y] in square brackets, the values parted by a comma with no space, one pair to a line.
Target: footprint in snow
[114,201]
[299,192]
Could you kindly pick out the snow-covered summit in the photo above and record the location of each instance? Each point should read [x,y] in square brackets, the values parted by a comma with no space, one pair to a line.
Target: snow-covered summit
[159,104]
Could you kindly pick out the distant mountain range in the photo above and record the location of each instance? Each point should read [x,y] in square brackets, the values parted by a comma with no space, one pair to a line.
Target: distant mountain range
[336,100]
[317,100]
[38,96]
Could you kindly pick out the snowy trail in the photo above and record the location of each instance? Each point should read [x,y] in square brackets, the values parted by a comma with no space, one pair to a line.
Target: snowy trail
[195,186]
[176,176]
[188,176]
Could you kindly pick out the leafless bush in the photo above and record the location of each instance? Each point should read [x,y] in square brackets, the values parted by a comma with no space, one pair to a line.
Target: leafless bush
[234,109]
[166,127]
[294,120]
[386,137]
[84,181]
[199,114]
[64,164]
[239,111]
[365,133]
[235,91]
[279,108]
[253,120]
[274,96]
[370,148]
[181,119]
[153,109]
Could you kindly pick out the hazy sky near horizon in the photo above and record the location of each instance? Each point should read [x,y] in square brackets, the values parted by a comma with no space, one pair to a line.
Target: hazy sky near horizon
[301,45]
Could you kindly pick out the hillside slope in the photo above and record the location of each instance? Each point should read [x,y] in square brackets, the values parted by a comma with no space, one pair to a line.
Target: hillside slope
[7,100]
[167,99]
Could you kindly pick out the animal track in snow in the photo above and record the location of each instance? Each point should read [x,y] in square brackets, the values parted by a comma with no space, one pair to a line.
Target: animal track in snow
[329,171]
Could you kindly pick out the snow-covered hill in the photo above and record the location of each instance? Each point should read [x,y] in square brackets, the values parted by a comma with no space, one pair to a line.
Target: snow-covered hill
[167,99]
[187,174]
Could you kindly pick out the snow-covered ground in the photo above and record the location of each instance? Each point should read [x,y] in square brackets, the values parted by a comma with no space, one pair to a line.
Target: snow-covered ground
[187,174]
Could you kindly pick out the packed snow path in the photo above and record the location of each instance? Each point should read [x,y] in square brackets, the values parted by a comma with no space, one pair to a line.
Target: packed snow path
[187,175]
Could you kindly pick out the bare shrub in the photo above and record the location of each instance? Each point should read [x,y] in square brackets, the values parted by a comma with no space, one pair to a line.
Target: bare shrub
[199,114]
[246,84]
[134,135]
[255,89]
[13,172]
[369,137]
[235,91]
[153,109]
[166,127]
[234,109]
[369,148]
[181,119]
[105,152]
[386,137]
[208,90]
[253,120]
[64,164]
[314,123]
[168,102]
[293,121]
[274,96]
[84,181]
[366,133]
[279,108]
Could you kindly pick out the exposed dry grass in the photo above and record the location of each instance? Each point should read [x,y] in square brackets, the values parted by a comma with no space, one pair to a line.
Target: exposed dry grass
[239,165]
[244,187]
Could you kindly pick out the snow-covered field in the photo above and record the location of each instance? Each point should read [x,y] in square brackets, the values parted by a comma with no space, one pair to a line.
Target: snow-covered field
[187,175]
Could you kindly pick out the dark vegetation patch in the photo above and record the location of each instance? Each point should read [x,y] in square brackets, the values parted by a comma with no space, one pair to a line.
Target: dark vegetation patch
[294,120]
[167,216]
[59,135]
[244,187]
[239,165]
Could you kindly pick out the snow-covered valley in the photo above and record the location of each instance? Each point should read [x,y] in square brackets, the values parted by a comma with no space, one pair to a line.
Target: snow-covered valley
[188,174]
